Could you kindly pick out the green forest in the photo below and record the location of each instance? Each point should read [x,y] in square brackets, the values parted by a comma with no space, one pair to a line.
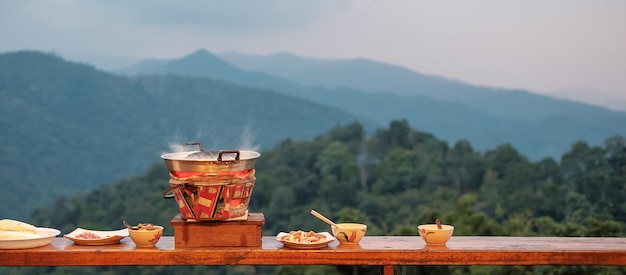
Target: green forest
[69,127]
[392,180]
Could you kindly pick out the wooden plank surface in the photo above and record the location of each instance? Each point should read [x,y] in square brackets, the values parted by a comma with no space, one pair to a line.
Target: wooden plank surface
[373,250]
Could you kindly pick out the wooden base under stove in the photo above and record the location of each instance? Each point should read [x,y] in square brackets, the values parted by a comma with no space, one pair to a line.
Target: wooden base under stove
[237,233]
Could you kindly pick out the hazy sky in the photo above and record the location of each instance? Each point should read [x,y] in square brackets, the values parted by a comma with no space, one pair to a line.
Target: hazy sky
[565,48]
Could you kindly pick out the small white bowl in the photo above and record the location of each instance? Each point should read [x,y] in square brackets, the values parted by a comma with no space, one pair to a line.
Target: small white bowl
[349,233]
[435,236]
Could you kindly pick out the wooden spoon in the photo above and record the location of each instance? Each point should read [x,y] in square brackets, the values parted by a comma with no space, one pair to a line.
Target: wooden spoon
[129,226]
[321,217]
[438,224]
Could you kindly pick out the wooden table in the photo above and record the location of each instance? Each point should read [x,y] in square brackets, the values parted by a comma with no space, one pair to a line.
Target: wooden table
[373,250]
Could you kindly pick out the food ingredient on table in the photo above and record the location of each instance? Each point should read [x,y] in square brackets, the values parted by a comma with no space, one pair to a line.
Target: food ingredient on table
[13,225]
[304,237]
[87,235]
[17,230]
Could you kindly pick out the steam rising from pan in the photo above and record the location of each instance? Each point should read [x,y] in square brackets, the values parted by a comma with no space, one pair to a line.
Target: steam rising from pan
[246,143]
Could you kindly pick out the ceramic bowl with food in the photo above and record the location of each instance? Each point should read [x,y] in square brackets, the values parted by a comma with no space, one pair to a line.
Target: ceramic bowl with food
[349,233]
[145,235]
[433,235]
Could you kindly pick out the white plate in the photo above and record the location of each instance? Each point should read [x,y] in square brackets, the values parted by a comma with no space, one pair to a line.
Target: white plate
[329,239]
[106,237]
[47,235]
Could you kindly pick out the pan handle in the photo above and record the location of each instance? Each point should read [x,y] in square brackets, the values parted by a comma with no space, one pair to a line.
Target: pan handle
[193,143]
[168,194]
[236,152]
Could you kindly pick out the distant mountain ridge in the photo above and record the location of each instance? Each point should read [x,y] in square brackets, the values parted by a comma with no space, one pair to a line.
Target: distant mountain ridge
[371,76]
[68,127]
[358,73]
[538,126]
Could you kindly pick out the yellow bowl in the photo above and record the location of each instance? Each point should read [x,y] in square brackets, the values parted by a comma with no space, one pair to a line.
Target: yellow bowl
[146,238]
[435,236]
[349,233]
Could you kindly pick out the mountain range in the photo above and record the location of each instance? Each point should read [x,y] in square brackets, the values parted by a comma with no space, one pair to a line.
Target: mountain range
[538,126]
[69,127]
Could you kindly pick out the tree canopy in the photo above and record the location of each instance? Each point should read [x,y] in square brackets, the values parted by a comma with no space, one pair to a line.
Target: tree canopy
[393,181]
